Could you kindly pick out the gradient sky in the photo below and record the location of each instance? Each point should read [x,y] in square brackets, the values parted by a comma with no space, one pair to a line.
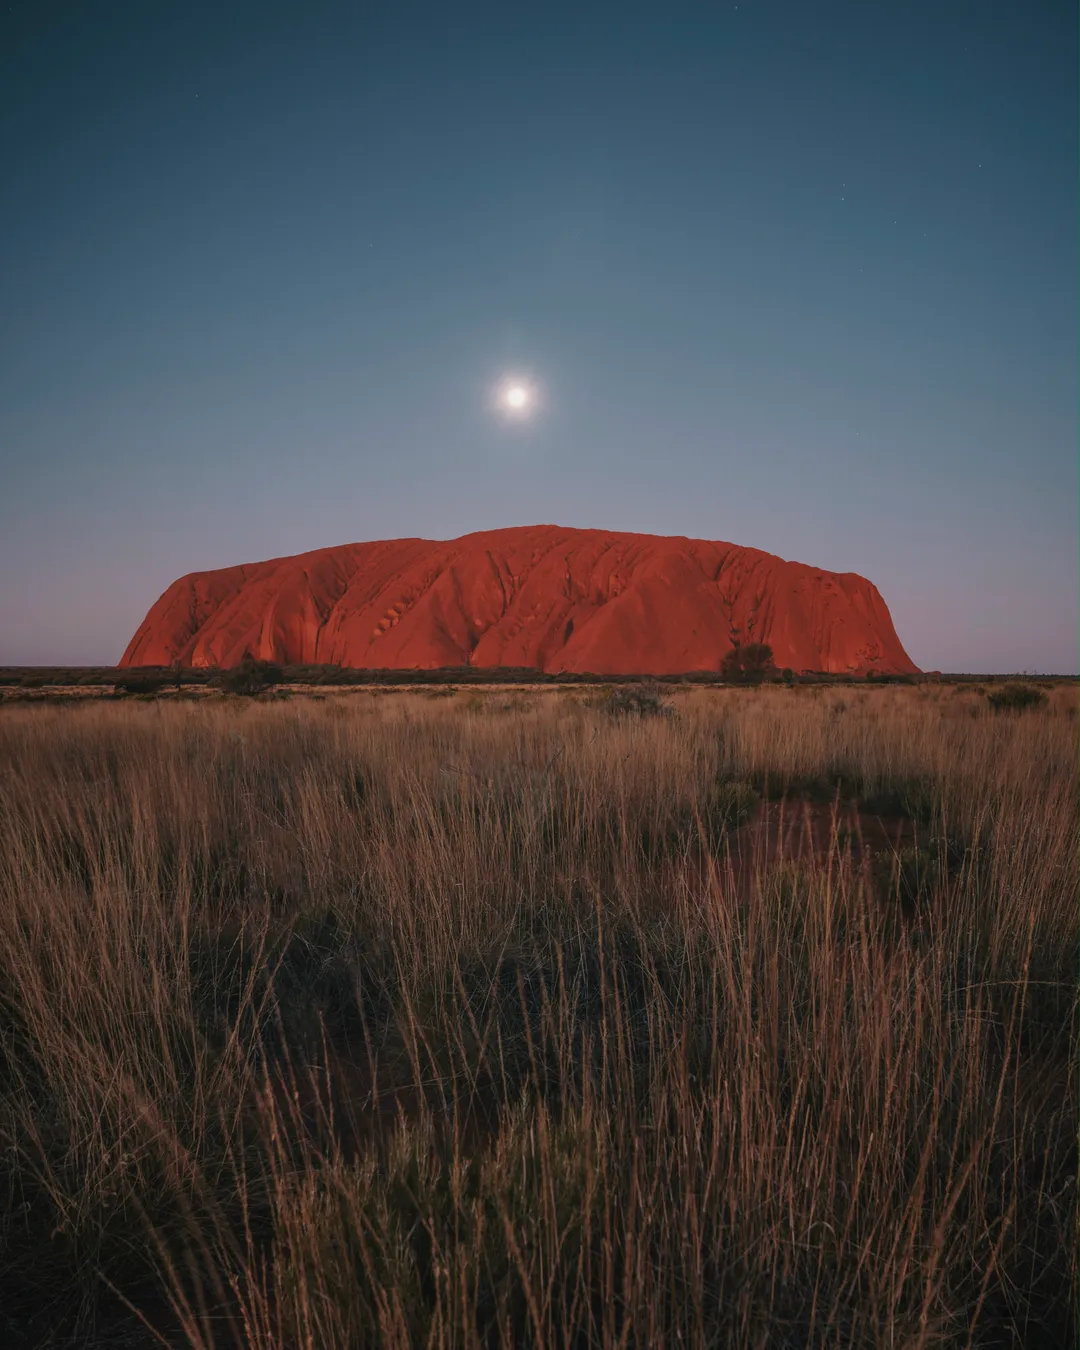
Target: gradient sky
[798,276]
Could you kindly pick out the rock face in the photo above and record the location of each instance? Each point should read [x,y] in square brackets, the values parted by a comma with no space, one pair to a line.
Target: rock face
[538,596]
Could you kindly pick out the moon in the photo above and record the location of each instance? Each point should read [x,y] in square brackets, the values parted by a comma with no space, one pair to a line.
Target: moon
[517,398]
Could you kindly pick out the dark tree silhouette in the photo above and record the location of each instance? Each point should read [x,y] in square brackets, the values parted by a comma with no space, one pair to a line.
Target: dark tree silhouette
[251,677]
[748,663]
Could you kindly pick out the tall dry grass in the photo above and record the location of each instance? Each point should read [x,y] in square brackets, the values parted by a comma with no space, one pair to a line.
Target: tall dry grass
[496,1020]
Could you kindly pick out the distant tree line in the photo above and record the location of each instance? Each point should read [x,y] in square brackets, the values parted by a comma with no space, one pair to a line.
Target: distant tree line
[746,664]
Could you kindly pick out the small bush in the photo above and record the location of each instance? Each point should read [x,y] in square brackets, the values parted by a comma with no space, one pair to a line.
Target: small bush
[748,664]
[636,700]
[1016,698]
[128,685]
[250,677]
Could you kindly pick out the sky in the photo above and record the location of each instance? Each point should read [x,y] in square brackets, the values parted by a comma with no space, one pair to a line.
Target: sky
[796,276]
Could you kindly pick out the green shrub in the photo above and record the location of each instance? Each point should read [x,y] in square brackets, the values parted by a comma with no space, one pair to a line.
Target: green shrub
[250,677]
[748,663]
[141,683]
[1016,698]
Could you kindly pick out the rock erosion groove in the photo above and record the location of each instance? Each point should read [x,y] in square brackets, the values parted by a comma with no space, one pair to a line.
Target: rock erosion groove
[553,599]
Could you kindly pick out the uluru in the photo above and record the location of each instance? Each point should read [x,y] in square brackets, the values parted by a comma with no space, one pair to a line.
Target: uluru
[541,597]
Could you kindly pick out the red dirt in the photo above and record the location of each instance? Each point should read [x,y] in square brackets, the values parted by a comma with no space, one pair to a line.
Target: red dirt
[585,601]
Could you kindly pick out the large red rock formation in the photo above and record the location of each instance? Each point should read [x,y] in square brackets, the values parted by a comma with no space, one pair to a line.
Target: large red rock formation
[539,596]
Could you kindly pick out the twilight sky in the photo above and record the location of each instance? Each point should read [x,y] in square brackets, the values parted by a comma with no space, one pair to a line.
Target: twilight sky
[798,276]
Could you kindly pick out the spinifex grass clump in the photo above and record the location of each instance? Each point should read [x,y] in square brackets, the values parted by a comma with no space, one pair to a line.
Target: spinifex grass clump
[388,1021]
[634,700]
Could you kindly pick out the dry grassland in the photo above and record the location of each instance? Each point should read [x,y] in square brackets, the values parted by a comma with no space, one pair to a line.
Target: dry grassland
[497,1019]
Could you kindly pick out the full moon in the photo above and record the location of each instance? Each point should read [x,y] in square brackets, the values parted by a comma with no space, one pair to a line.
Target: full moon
[516,397]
